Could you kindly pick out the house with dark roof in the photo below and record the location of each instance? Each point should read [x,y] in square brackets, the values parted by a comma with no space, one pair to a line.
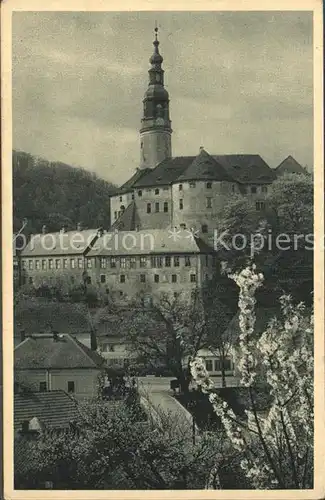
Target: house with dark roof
[289,166]
[48,362]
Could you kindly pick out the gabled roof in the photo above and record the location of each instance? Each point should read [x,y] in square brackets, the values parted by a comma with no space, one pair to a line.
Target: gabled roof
[246,168]
[242,168]
[44,351]
[289,166]
[54,409]
[136,177]
[165,172]
[128,220]
[204,167]
[68,243]
[147,241]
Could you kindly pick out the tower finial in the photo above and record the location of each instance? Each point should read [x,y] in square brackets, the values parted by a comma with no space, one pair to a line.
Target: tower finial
[156,30]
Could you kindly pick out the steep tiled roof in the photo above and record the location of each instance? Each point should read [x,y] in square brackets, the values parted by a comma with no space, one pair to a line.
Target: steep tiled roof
[65,352]
[289,166]
[68,243]
[146,241]
[166,172]
[136,177]
[128,220]
[55,409]
[204,167]
[246,168]
[243,168]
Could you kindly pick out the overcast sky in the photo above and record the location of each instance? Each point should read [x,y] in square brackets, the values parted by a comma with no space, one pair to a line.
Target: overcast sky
[239,82]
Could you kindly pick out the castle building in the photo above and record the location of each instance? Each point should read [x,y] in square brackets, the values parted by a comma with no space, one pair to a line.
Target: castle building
[187,192]
[176,202]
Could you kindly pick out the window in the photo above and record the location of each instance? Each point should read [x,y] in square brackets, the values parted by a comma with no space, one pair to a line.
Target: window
[209,185]
[24,264]
[121,198]
[50,263]
[102,278]
[89,263]
[260,205]
[65,263]
[30,280]
[121,293]
[193,278]
[70,386]
[115,215]
[30,264]
[167,261]
[37,266]
[122,278]
[80,266]
[148,208]
[181,204]
[42,386]
[143,261]
[132,196]
[176,294]
[209,202]
[253,190]
[156,191]
[156,278]
[103,263]
[166,206]
[157,207]
[208,365]
[43,264]
[264,189]
[57,263]
[133,263]
[218,365]
[142,278]
[72,263]
[160,262]
[174,278]
[113,261]
[153,261]
[176,261]
[140,192]
[204,228]
[123,262]
[180,187]
[88,280]
[192,184]
[187,261]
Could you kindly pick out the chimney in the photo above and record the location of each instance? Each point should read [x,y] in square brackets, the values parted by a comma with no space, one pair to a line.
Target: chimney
[201,148]
[79,226]
[44,229]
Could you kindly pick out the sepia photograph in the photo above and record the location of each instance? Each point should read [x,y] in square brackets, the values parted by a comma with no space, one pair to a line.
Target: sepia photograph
[162,183]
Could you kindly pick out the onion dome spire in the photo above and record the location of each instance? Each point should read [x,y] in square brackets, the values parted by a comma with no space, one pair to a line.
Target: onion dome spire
[156,59]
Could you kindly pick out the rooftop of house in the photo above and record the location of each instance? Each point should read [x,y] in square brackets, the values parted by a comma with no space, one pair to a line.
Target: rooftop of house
[148,242]
[45,351]
[53,409]
[60,243]
[290,166]
[129,219]
[241,168]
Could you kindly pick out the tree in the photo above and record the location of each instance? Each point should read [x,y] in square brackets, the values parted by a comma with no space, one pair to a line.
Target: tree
[117,451]
[167,333]
[278,239]
[276,447]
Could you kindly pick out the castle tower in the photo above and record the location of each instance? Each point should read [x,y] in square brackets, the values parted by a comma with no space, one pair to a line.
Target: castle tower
[155,132]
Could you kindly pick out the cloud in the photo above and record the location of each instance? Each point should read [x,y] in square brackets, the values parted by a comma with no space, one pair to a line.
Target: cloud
[238,82]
